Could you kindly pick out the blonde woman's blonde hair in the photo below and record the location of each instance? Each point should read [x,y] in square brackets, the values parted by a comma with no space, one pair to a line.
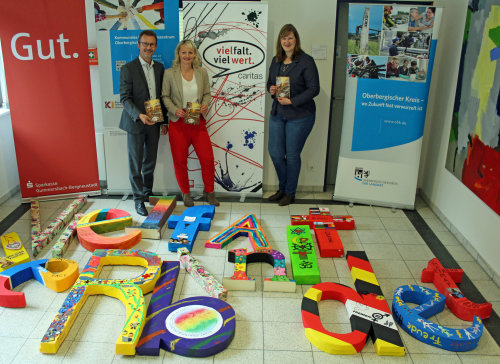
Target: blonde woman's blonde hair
[188,43]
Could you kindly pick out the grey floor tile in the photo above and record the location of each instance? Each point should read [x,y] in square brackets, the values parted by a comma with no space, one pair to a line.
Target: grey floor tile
[387,268]
[30,353]
[369,223]
[78,352]
[12,346]
[388,212]
[322,357]
[397,223]
[415,252]
[349,236]
[475,358]
[281,309]
[382,251]
[435,224]
[384,359]
[402,237]
[280,356]
[236,355]
[12,318]
[447,238]
[435,358]
[460,254]
[247,308]
[361,211]
[374,237]
[285,336]
[248,336]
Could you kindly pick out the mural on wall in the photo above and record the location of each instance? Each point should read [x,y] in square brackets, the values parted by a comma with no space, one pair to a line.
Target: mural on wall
[474,147]
[231,39]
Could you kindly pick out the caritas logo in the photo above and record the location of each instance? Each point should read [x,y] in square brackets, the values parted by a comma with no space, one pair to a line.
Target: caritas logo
[22,47]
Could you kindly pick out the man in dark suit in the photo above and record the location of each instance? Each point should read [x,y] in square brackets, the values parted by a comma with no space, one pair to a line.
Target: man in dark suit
[141,80]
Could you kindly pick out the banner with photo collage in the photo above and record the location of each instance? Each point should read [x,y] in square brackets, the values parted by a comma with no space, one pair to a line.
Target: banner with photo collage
[231,38]
[118,25]
[389,66]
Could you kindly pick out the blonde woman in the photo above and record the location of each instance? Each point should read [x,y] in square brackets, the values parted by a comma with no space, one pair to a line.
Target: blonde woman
[187,82]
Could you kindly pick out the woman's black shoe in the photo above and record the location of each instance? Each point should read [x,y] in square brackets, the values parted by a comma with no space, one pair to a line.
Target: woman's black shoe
[277,196]
[286,199]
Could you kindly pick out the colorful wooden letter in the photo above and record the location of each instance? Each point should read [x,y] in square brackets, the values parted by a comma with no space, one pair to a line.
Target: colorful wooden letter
[367,309]
[97,222]
[66,237]
[385,335]
[325,228]
[129,291]
[13,277]
[240,281]
[152,225]
[444,279]
[40,239]
[414,320]
[15,252]
[61,274]
[194,327]
[201,275]
[302,255]
[246,226]
[187,225]
[56,274]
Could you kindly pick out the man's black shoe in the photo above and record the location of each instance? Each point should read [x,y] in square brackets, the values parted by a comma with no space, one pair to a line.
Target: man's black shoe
[141,208]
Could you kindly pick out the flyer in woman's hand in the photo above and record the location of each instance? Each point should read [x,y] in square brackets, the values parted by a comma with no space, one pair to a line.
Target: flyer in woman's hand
[283,86]
[193,111]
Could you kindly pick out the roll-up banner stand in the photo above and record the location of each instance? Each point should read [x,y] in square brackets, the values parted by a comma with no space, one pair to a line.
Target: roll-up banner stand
[44,45]
[391,50]
[231,38]
[118,25]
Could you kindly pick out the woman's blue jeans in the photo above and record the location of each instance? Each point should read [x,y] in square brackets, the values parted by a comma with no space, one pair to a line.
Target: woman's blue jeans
[286,141]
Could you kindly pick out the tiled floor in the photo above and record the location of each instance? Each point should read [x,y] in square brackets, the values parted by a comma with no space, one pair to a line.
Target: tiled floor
[269,326]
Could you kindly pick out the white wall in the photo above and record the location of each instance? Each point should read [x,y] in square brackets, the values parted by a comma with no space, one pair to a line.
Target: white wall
[477,226]
[315,22]
[9,177]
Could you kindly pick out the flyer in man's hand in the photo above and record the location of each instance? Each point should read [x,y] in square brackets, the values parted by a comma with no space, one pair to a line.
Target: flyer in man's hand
[153,110]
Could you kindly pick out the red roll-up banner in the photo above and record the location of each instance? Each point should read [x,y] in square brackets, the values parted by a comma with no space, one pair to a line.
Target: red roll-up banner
[44,45]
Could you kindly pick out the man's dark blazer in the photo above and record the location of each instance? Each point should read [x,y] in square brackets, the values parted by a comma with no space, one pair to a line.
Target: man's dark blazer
[134,92]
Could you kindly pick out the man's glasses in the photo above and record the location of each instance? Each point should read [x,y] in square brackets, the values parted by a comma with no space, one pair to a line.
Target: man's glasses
[145,44]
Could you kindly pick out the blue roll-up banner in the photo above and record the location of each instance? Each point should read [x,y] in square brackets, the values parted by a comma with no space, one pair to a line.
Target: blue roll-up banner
[390,56]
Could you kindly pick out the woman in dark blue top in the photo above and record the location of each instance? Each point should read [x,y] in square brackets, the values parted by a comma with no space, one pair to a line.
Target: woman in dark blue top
[292,117]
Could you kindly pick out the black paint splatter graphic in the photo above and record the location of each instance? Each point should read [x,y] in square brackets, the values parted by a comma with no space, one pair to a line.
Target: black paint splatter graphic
[223,178]
[252,17]
[237,95]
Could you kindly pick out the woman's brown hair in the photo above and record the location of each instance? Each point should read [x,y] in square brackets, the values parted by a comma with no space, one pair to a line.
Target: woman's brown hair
[285,30]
